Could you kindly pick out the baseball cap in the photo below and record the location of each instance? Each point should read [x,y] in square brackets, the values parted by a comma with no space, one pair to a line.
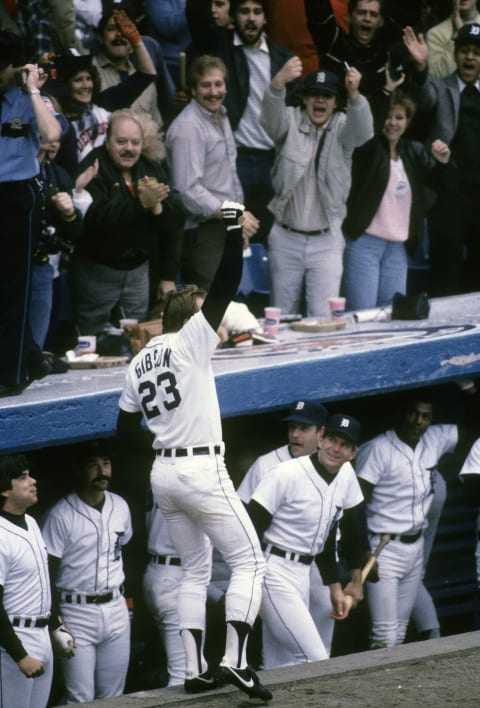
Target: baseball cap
[11,49]
[308,412]
[321,82]
[344,425]
[468,34]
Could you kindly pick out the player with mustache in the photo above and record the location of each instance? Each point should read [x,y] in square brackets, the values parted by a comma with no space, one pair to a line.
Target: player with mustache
[84,534]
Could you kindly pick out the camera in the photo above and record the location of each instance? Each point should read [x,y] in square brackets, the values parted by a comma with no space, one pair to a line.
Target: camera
[21,78]
[51,242]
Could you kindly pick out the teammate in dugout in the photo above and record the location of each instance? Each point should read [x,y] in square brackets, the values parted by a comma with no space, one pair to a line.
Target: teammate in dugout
[295,509]
[397,471]
[170,384]
[85,533]
[26,661]
[305,420]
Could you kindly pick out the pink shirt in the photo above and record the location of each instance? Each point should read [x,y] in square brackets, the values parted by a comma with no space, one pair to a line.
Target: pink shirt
[392,219]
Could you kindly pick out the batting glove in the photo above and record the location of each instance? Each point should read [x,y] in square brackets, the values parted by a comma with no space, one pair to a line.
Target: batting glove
[231,213]
[63,641]
[127,27]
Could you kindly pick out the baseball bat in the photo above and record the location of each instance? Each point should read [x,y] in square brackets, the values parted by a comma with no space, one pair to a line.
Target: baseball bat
[182,70]
[384,539]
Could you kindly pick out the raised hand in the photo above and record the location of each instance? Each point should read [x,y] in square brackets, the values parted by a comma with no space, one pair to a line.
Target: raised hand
[416,46]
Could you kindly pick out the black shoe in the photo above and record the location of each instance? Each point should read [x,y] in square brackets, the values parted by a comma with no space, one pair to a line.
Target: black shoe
[246,680]
[38,368]
[59,366]
[203,682]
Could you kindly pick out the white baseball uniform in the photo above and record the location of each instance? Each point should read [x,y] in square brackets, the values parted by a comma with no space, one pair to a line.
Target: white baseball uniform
[403,482]
[26,600]
[472,466]
[171,381]
[161,581]
[319,602]
[89,542]
[304,508]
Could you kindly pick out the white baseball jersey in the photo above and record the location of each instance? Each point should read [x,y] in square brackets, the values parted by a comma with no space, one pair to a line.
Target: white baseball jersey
[402,477]
[472,466]
[303,505]
[171,382]
[89,542]
[24,569]
[261,467]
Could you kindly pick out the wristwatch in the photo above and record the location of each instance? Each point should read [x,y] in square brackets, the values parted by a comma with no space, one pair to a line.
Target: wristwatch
[33,91]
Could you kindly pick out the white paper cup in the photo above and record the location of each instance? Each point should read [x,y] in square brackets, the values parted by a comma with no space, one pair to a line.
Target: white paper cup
[337,308]
[86,344]
[272,320]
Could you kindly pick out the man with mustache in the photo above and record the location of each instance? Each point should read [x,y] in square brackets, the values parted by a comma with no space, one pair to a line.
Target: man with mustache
[85,533]
[454,103]
[252,60]
[131,220]
[121,42]
[201,154]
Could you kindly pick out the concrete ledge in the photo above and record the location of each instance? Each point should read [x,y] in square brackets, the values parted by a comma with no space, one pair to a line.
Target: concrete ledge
[362,662]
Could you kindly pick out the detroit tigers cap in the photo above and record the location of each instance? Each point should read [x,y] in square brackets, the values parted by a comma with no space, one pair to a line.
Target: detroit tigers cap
[343,424]
[308,412]
[468,34]
[321,82]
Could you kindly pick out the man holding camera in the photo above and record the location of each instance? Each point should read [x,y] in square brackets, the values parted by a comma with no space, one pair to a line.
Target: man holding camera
[24,119]
[60,228]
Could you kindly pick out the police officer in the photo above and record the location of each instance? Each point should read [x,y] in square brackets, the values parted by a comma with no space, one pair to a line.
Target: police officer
[24,119]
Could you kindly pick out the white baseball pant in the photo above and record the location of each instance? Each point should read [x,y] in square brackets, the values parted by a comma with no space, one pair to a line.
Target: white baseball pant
[18,691]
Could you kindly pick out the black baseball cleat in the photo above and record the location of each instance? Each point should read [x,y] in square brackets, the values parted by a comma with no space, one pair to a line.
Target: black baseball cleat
[246,680]
[203,682]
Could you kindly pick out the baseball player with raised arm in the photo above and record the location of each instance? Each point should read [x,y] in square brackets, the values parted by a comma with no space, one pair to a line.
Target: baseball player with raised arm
[160,589]
[397,471]
[295,509]
[305,420]
[26,661]
[470,477]
[170,384]
[85,533]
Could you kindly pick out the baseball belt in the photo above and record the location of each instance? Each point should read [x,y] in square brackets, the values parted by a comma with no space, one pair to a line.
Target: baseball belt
[30,621]
[187,451]
[288,555]
[79,598]
[405,538]
[164,560]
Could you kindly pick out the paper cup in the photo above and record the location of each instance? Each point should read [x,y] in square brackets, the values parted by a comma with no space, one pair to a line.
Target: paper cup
[272,320]
[86,344]
[337,308]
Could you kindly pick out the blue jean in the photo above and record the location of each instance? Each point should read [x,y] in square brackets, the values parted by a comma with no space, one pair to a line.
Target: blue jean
[41,304]
[374,269]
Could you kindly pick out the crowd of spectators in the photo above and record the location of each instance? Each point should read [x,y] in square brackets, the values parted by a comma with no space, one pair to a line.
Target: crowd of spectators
[408,61]
[348,129]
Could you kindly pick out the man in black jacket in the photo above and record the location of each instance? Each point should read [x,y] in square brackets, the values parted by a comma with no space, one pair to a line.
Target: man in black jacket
[130,214]
[252,61]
